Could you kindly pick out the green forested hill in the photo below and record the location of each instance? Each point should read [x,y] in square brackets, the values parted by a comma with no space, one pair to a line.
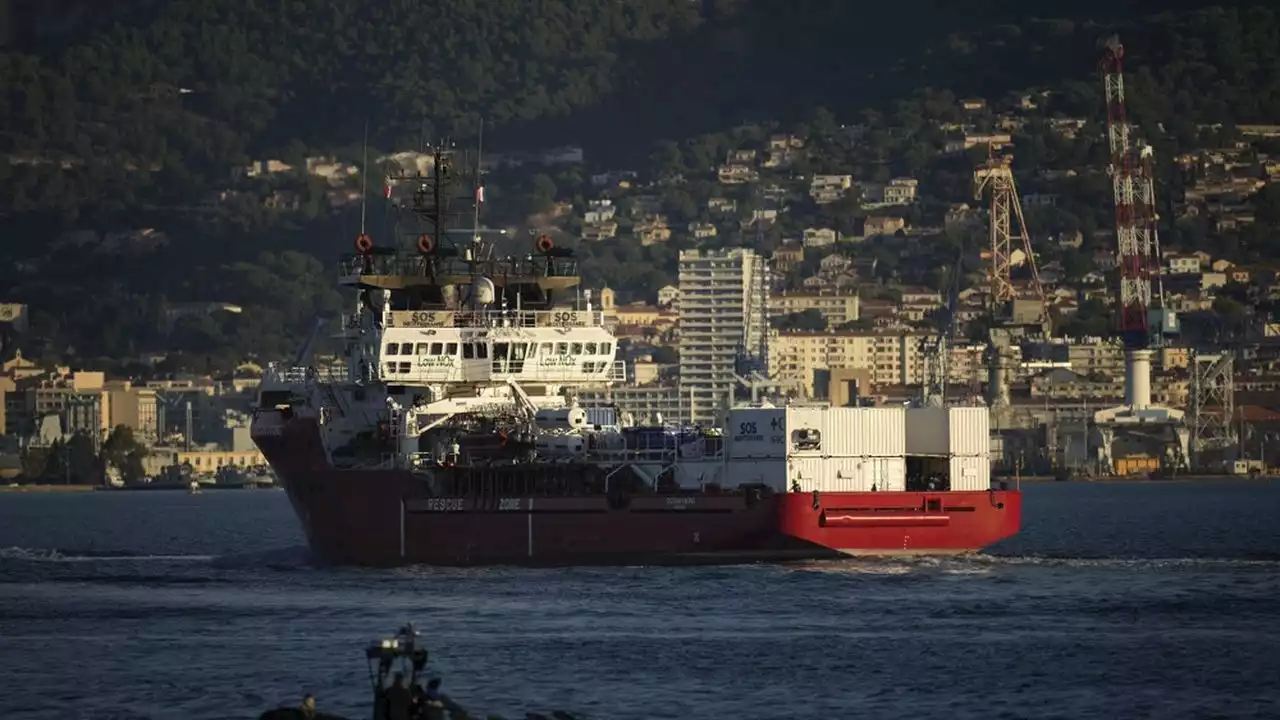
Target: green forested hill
[100,135]
[267,74]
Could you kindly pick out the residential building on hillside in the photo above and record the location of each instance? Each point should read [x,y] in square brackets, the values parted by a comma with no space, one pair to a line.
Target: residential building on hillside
[900,191]
[820,237]
[723,300]
[893,358]
[837,308]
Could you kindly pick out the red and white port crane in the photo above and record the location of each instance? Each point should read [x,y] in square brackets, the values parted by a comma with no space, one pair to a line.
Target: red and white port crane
[1132,177]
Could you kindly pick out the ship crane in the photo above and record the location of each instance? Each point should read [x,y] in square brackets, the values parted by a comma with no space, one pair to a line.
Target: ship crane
[1131,169]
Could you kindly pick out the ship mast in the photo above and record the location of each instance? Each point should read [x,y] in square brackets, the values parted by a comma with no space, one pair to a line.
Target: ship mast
[364,178]
[479,198]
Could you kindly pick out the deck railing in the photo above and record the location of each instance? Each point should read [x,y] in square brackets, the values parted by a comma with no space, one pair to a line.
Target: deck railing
[301,375]
[556,318]
[402,264]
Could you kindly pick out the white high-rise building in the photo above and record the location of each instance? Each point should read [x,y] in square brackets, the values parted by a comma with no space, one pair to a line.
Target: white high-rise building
[723,321]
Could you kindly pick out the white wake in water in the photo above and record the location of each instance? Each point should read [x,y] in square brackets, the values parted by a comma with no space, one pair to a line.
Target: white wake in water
[980,564]
[71,556]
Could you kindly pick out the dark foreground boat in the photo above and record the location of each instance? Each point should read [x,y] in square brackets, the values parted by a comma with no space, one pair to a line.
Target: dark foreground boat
[397,666]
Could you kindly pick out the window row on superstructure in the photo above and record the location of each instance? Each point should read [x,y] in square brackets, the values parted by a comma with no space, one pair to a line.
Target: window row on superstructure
[481,350]
[589,358]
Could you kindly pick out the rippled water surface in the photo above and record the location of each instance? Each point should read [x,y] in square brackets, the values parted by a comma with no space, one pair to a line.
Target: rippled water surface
[1116,601]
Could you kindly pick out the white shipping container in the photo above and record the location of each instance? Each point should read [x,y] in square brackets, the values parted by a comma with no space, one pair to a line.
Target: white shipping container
[757,433]
[809,421]
[970,473]
[846,474]
[866,432]
[927,431]
[970,430]
[823,475]
[884,474]
[806,474]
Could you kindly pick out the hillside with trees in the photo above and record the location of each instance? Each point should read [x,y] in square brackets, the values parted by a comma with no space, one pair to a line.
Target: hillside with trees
[131,118]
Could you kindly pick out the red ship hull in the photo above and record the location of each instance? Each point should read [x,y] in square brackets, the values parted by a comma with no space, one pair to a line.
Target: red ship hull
[388,517]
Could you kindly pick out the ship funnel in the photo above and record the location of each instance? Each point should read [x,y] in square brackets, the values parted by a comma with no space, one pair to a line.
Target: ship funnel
[483,291]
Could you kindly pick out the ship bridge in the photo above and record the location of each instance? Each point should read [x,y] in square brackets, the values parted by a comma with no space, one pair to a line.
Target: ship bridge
[529,346]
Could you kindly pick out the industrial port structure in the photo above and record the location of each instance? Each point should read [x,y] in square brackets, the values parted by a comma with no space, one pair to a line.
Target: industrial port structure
[722,309]
[1019,318]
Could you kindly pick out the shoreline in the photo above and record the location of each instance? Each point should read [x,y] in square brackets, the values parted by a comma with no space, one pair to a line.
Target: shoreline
[52,488]
[1142,479]
[47,488]
[1037,480]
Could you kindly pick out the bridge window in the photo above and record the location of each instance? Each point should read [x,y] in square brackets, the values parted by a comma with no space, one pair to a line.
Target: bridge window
[422,348]
[437,348]
[562,348]
[482,350]
[451,349]
[393,348]
[575,349]
[518,353]
[547,348]
[405,367]
[606,349]
[589,348]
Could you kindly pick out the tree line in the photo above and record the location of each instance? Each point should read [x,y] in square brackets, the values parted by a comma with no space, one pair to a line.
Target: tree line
[133,124]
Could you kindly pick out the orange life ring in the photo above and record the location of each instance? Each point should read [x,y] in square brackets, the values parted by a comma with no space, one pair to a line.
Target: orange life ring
[426,244]
[544,243]
[502,439]
[364,243]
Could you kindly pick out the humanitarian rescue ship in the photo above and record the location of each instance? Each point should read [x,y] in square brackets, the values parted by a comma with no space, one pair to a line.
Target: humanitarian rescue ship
[453,437]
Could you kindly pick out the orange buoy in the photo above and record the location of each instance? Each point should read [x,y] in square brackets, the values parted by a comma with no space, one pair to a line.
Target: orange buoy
[364,243]
[426,244]
[544,243]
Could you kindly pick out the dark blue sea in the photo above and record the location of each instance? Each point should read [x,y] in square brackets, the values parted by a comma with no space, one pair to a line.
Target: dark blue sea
[1116,601]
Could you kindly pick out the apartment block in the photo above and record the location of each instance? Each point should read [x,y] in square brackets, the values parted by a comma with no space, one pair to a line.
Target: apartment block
[836,308]
[722,322]
[890,358]
[133,407]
